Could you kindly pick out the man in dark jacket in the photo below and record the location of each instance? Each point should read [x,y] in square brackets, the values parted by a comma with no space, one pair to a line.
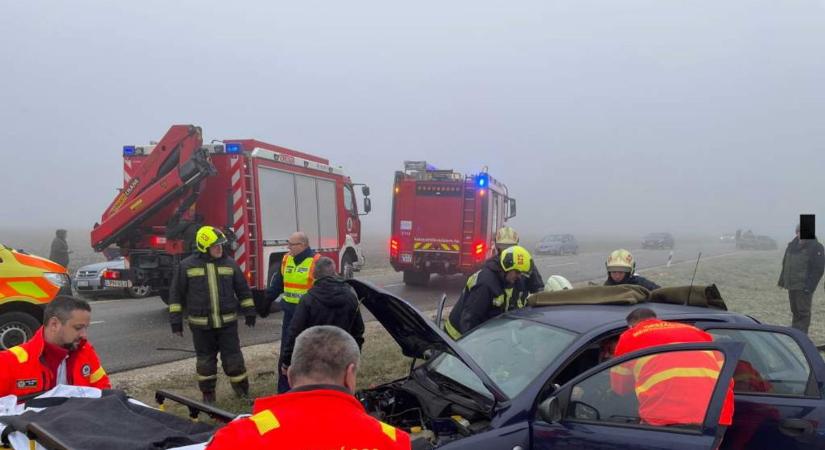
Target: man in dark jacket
[621,268]
[60,249]
[330,301]
[802,268]
[507,237]
[498,287]
[211,288]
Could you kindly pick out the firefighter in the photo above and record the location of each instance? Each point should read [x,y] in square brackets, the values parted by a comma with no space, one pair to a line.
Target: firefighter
[621,268]
[320,411]
[211,289]
[293,281]
[672,388]
[507,237]
[58,353]
[498,287]
[557,283]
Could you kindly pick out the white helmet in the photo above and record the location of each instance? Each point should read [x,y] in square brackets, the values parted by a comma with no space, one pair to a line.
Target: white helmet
[557,283]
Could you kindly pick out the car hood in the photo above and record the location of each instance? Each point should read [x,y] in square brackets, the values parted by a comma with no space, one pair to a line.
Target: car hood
[417,336]
[97,267]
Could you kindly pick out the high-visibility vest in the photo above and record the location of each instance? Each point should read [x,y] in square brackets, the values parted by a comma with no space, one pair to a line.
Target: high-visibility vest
[298,278]
[672,388]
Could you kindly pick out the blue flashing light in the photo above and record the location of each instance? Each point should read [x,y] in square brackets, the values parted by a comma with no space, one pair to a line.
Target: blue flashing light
[233,148]
[128,150]
[482,180]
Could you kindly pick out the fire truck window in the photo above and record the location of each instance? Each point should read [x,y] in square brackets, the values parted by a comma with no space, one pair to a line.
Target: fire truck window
[349,199]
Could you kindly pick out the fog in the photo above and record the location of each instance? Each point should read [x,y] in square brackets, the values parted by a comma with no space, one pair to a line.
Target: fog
[613,117]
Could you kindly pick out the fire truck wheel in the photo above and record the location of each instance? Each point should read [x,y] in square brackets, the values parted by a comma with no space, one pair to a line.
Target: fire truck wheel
[138,291]
[16,328]
[416,278]
[347,268]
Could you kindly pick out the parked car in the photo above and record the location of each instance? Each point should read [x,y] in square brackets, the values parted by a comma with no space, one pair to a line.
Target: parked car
[557,244]
[27,284]
[727,238]
[509,382]
[756,243]
[658,241]
[95,279]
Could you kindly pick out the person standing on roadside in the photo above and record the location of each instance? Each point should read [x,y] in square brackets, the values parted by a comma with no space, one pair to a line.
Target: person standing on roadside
[59,252]
[802,268]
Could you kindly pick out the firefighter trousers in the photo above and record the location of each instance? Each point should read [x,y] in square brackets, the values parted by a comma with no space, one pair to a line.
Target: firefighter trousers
[208,343]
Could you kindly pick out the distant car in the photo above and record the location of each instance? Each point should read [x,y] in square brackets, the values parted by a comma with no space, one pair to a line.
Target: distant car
[557,244]
[756,243]
[512,381]
[727,239]
[658,240]
[92,280]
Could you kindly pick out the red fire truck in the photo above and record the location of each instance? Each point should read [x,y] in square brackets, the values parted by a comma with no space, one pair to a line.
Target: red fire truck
[258,193]
[443,221]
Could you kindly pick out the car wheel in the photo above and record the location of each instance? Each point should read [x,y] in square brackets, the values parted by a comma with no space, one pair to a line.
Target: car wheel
[142,291]
[16,328]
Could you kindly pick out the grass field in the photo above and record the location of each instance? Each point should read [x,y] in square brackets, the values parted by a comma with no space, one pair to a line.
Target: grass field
[747,281]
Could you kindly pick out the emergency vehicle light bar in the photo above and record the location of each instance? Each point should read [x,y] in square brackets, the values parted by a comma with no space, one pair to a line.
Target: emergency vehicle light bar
[234,148]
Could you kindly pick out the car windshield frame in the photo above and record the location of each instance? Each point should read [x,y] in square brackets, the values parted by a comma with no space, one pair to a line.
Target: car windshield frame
[553,238]
[512,364]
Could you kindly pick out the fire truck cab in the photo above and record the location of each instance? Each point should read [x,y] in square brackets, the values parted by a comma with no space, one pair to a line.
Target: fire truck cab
[443,221]
[257,193]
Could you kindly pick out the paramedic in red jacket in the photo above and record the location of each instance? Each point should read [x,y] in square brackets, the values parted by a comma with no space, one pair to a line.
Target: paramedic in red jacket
[672,388]
[319,411]
[58,353]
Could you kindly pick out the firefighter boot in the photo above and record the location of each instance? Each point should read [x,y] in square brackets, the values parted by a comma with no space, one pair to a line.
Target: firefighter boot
[209,397]
[241,389]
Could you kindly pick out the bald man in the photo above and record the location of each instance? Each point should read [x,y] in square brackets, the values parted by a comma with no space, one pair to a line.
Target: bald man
[293,281]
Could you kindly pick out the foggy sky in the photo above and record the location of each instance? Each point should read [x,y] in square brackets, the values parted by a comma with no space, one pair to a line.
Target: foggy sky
[601,116]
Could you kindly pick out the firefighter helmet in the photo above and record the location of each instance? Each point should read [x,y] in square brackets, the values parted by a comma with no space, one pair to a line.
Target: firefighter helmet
[207,237]
[621,261]
[557,283]
[516,258]
[506,237]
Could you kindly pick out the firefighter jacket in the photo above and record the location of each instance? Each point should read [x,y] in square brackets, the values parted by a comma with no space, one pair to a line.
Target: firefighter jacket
[309,418]
[331,301]
[210,290]
[293,279]
[638,280]
[24,372]
[485,296]
[802,265]
[672,388]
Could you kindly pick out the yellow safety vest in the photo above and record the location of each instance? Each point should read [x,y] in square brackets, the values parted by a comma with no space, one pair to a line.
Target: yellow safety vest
[297,278]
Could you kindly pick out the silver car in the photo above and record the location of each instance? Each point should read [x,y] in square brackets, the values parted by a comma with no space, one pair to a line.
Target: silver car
[88,281]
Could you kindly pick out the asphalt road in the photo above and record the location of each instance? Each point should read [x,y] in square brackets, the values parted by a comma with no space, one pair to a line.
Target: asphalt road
[132,333]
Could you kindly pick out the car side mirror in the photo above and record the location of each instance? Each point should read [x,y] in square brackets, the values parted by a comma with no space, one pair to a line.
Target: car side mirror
[365,190]
[367,205]
[549,410]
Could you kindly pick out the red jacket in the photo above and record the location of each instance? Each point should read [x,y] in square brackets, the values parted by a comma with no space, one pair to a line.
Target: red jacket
[672,388]
[25,373]
[309,418]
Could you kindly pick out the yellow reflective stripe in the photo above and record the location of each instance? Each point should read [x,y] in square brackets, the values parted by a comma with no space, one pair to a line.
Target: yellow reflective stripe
[676,373]
[198,320]
[416,246]
[451,330]
[21,354]
[389,430]
[237,379]
[297,283]
[640,364]
[223,270]
[207,377]
[265,421]
[620,371]
[175,308]
[212,280]
[99,373]
[195,272]
[229,317]
[247,303]
[28,289]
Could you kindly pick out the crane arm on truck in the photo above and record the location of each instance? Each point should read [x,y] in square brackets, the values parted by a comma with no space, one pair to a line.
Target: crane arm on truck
[176,165]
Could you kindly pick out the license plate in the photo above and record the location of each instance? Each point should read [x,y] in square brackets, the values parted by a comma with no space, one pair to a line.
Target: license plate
[117,283]
[83,283]
[406,258]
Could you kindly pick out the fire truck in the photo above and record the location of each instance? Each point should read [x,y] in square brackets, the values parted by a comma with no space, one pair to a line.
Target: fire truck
[257,193]
[443,221]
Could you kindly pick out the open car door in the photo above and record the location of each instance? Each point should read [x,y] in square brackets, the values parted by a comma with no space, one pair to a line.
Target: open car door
[778,387]
[589,411]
